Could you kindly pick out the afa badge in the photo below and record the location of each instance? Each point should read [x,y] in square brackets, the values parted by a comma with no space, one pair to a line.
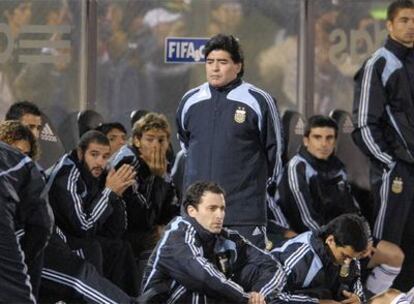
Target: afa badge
[240,115]
[397,185]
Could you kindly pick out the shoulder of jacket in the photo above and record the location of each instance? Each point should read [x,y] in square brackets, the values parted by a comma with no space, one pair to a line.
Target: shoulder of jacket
[196,92]
[296,161]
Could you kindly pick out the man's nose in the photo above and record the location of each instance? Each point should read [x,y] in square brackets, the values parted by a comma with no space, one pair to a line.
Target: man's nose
[101,161]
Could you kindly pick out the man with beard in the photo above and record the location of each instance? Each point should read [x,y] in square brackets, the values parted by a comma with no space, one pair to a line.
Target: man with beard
[88,206]
[65,275]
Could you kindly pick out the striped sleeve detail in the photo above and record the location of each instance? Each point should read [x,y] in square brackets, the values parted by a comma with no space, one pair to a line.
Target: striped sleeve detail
[197,254]
[275,284]
[298,195]
[277,216]
[76,284]
[289,264]
[296,257]
[176,295]
[17,167]
[275,117]
[206,265]
[87,221]
[364,111]
[291,298]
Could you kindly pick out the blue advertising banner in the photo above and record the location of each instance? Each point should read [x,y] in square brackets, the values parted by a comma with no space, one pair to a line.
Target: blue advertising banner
[184,49]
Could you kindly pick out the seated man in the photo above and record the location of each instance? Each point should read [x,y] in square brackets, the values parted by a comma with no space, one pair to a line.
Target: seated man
[322,267]
[314,190]
[15,134]
[199,261]
[65,275]
[88,207]
[151,202]
[20,137]
[23,205]
[116,133]
[28,114]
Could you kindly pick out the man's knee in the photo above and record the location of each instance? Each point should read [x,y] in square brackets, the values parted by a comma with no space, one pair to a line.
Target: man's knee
[385,297]
[390,253]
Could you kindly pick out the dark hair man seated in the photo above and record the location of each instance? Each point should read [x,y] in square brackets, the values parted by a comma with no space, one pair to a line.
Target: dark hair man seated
[28,114]
[23,205]
[199,260]
[116,133]
[321,267]
[88,207]
[314,190]
[65,274]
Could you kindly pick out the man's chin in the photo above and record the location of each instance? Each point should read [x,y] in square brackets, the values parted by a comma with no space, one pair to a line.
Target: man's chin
[96,173]
[216,230]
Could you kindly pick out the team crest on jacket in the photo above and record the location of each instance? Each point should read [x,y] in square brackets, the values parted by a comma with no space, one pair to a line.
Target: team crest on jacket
[397,185]
[240,115]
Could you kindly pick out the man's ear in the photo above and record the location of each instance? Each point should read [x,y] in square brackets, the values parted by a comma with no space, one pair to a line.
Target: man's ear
[79,153]
[389,26]
[135,141]
[191,210]
[240,65]
[330,240]
[305,141]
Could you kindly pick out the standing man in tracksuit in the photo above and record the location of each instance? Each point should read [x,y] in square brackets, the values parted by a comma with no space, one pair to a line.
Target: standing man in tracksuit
[199,261]
[231,132]
[22,204]
[384,129]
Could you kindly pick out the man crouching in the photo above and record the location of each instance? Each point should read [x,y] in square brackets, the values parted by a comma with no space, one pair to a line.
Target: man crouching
[197,260]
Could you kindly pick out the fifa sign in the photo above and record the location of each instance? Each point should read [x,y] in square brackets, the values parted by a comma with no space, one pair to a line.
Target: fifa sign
[184,50]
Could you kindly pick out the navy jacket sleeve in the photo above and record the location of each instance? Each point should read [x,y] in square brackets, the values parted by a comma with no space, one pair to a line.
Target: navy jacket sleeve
[37,215]
[182,134]
[257,270]
[369,110]
[73,214]
[272,140]
[299,189]
[296,260]
[116,223]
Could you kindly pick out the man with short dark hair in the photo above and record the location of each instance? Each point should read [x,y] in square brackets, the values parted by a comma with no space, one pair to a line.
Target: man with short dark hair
[28,114]
[314,190]
[384,130]
[231,132]
[321,267]
[65,274]
[197,260]
[88,207]
[116,133]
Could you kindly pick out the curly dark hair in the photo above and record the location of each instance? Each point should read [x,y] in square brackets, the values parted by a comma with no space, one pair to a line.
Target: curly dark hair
[12,131]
